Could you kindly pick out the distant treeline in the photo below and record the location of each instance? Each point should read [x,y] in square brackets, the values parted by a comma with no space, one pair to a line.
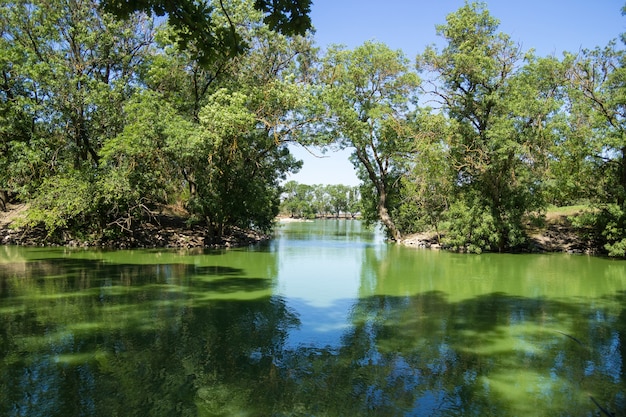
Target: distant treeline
[312,201]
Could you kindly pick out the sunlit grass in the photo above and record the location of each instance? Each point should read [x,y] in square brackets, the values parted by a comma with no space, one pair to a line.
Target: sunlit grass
[567,210]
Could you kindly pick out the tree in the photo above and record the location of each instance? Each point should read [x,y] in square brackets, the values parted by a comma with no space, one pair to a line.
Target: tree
[598,110]
[69,72]
[298,200]
[338,198]
[137,174]
[195,23]
[97,106]
[307,201]
[78,67]
[19,169]
[500,112]
[354,201]
[239,184]
[427,189]
[367,93]
[235,156]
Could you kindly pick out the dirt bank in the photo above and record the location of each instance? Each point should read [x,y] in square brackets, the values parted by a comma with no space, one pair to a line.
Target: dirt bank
[170,230]
[556,235]
[163,231]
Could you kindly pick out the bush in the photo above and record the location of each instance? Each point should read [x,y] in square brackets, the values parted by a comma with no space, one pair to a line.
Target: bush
[65,202]
[472,228]
[607,225]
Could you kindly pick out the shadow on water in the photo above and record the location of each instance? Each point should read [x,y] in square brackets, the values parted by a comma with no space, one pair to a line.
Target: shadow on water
[86,337]
[490,355]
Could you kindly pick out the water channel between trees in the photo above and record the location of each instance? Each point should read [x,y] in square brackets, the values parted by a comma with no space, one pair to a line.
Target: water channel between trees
[325,320]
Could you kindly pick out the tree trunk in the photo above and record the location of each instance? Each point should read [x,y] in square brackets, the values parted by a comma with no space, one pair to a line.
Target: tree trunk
[4,199]
[385,218]
[621,196]
[190,182]
[379,184]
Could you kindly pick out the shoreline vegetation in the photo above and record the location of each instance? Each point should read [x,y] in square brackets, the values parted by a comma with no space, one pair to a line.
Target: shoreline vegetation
[556,236]
[171,230]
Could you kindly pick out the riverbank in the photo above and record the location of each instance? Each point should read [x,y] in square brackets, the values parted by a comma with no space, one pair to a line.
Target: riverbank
[556,234]
[171,230]
[167,230]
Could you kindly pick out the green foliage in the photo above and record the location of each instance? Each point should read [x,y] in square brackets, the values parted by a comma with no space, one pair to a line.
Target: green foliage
[99,107]
[338,198]
[476,226]
[198,26]
[428,186]
[237,157]
[137,173]
[368,93]
[66,202]
[604,225]
[73,70]
[298,200]
[472,227]
[595,153]
[614,230]
[502,126]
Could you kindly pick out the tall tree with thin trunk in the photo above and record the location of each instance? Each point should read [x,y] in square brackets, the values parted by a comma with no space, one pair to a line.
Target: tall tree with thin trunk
[368,92]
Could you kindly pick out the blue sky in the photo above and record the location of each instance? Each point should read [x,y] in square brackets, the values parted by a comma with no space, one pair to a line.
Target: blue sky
[548,26]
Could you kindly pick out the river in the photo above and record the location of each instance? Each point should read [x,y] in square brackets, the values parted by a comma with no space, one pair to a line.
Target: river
[325,320]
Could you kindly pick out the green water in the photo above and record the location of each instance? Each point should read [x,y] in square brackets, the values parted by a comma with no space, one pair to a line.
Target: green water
[326,320]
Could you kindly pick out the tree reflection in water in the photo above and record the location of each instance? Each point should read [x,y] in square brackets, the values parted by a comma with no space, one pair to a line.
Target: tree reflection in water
[87,337]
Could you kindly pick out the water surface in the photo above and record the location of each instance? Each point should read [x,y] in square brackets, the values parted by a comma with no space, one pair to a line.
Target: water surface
[326,320]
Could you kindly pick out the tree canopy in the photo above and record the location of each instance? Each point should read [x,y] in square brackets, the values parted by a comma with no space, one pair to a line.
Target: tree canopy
[500,107]
[367,95]
[107,121]
[195,22]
